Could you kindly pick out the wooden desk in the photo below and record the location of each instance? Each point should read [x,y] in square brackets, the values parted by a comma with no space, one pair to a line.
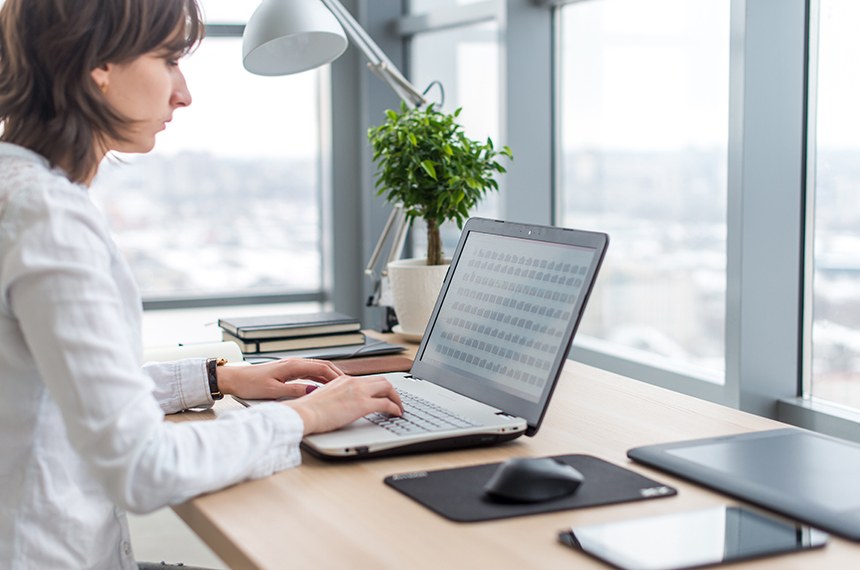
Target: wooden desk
[325,515]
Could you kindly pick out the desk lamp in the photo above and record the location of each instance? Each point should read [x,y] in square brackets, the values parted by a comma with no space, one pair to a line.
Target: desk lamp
[290,36]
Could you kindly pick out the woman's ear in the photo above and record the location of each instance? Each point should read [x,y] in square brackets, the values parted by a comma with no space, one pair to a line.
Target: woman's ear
[101,76]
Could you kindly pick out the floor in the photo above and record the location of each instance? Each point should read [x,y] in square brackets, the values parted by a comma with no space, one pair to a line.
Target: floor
[162,536]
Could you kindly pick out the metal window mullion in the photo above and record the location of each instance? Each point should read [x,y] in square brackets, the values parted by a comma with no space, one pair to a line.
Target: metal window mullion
[450,17]
[734,204]
[809,225]
[558,3]
[771,203]
[821,416]
[528,105]
[162,303]
[225,30]
[681,380]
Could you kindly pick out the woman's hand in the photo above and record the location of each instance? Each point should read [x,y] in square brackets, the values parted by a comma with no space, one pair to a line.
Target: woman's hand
[272,380]
[344,400]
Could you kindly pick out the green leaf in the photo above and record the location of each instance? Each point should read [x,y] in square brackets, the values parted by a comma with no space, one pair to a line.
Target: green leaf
[429,168]
[425,161]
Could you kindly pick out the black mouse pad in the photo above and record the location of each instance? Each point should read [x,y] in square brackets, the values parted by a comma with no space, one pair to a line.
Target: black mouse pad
[458,494]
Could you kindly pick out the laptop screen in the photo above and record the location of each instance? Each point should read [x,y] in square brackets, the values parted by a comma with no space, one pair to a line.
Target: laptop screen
[507,312]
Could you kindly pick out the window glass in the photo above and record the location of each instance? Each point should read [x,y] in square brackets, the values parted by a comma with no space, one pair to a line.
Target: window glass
[643,136]
[836,278]
[229,201]
[465,60]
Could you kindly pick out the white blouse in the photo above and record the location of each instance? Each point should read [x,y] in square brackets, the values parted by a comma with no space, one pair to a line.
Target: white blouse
[82,430]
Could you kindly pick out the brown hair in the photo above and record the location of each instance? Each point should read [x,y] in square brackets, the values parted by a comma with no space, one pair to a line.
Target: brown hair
[49,102]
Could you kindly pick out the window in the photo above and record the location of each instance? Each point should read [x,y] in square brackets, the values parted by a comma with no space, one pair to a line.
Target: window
[682,129]
[835,334]
[643,143]
[465,60]
[229,202]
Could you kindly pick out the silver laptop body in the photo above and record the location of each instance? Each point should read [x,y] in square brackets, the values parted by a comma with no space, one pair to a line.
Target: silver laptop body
[494,347]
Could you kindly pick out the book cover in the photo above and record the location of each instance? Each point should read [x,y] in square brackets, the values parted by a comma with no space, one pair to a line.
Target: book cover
[285,326]
[294,343]
[371,346]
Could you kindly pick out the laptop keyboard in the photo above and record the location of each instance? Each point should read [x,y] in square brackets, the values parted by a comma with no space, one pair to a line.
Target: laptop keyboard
[419,416]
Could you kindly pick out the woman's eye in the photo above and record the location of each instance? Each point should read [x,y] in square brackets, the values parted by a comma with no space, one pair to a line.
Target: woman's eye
[172,59]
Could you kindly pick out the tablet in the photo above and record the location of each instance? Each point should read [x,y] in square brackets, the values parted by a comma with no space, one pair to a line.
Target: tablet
[692,539]
[802,474]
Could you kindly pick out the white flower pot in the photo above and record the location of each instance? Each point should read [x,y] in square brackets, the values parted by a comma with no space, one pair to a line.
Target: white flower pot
[414,288]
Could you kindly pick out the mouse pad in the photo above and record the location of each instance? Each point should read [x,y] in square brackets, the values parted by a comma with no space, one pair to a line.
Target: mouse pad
[458,494]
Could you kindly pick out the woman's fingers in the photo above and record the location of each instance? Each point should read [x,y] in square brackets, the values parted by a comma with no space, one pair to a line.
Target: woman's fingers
[330,367]
[295,368]
[385,391]
[270,380]
[319,370]
[346,399]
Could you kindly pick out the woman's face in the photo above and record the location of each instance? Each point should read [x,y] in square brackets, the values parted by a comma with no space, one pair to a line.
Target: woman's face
[145,91]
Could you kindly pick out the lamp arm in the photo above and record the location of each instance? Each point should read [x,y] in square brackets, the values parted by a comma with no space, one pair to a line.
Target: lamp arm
[395,228]
[396,220]
[378,62]
[399,84]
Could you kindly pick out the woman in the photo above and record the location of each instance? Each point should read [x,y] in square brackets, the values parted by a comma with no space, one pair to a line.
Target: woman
[82,436]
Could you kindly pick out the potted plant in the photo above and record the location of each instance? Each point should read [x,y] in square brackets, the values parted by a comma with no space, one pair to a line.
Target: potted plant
[426,163]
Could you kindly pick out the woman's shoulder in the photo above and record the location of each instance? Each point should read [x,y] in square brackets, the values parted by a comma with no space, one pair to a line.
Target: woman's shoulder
[28,183]
[39,203]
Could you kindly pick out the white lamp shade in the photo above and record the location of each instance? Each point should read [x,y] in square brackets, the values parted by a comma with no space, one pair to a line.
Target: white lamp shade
[291,36]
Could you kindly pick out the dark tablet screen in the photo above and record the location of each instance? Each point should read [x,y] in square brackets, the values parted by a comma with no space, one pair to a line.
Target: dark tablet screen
[800,473]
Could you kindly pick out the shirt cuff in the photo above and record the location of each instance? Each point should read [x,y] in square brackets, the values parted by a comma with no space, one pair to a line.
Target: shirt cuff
[180,384]
[194,383]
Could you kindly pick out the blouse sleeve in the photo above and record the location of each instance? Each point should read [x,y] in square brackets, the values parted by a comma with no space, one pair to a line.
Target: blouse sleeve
[57,282]
[180,385]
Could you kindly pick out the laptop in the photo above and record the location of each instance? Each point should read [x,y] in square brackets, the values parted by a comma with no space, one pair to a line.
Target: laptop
[494,347]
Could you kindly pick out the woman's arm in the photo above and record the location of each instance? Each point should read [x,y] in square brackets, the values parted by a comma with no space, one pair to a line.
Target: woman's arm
[58,284]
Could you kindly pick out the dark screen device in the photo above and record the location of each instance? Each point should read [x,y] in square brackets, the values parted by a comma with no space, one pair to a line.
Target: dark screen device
[801,474]
[692,539]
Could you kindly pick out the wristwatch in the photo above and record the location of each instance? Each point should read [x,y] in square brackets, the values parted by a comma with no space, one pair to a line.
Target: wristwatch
[212,365]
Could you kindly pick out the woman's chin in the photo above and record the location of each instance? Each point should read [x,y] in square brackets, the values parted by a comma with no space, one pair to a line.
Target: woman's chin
[136,147]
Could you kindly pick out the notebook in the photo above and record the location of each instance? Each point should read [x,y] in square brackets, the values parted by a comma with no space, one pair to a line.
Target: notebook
[494,348]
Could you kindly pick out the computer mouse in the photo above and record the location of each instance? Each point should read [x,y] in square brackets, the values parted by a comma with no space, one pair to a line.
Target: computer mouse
[532,480]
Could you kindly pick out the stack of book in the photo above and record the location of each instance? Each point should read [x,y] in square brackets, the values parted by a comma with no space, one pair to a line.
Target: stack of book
[274,333]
